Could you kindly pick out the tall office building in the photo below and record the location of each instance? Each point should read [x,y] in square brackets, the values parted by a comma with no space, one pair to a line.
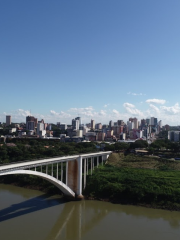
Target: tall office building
[92,124]
[135,123]
[174,136]
[130,125]
[79,119]
[155,121]
[111,124]
[160,123]
[148,121]
[143,122]
[8,120]
[120,122]
[98,126]
[75,124]
[30,125]
[152,121]
[31,119]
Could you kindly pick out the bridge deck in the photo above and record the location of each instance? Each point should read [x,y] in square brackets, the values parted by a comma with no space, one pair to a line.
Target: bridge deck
[41,162]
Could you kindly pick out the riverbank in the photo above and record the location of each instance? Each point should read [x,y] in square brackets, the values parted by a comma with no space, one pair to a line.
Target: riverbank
[142,187]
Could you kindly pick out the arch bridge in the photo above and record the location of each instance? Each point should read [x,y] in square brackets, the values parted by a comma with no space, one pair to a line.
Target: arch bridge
[67,173]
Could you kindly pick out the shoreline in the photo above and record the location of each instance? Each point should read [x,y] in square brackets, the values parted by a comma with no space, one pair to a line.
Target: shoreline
[113,201]
[147,205]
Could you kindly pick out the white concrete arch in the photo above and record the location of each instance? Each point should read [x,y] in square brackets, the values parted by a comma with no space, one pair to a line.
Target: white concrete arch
[63,187]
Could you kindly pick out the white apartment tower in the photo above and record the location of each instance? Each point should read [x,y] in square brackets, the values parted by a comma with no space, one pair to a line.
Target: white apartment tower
[40,127]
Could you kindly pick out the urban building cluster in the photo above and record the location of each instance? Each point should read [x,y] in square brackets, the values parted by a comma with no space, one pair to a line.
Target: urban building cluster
[77,131]
[114,131]
[32,127]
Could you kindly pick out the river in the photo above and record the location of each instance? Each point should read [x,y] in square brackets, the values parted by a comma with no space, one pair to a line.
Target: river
[27,214]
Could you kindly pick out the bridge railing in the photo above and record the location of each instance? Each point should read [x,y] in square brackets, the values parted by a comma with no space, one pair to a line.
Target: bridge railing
[37,159]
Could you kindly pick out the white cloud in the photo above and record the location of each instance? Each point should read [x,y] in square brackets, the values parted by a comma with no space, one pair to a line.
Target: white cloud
[115,111]
[171,110]
[154,108]
[60,114]
[136,94]
[131,109]
[154,100]
[106,105]
[128,105]
[102,113]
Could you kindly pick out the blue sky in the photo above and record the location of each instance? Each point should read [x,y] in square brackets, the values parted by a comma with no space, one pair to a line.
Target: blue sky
[100,59]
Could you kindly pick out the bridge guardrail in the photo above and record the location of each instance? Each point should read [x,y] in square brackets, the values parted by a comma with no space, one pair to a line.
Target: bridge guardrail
[4,164]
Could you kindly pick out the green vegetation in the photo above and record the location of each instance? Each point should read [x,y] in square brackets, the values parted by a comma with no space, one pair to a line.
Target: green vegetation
[154,188]
[30,149]
[132,179]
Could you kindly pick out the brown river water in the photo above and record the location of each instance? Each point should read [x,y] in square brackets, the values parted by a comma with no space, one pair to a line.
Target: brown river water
[32,215]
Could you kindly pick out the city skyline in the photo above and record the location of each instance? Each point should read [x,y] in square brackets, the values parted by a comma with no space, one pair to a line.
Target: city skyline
[89,113]
[77,121]
[104,60]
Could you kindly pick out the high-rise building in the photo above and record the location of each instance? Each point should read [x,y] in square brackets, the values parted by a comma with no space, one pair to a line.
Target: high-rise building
[79,119]
[155,121]
[111,124]
[8,120]
[152,121]
[30,125]
[120,122]
[130,125]
[63,126]
[98,126]
[75,124]
[160,123]
[143,122]
[174,136]
[92,124]
[31,119]
[42,121]
[40,127]
[135,123]
[148,121]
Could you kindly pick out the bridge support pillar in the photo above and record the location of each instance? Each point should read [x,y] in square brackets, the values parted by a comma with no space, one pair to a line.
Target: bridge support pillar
[91,164]
[74,176]
[61,171]
[84,173]
[87,160]
[57,172]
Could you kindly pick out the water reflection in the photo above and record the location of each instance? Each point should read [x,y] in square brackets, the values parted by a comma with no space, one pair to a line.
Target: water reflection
[79,218]
[76,220]
[51,218]
[29,206]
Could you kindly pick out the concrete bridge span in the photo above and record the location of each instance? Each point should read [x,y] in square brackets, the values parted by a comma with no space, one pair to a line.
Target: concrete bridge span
[66,173]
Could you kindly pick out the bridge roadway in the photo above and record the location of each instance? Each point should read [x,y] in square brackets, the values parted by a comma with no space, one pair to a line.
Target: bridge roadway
[74,168]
